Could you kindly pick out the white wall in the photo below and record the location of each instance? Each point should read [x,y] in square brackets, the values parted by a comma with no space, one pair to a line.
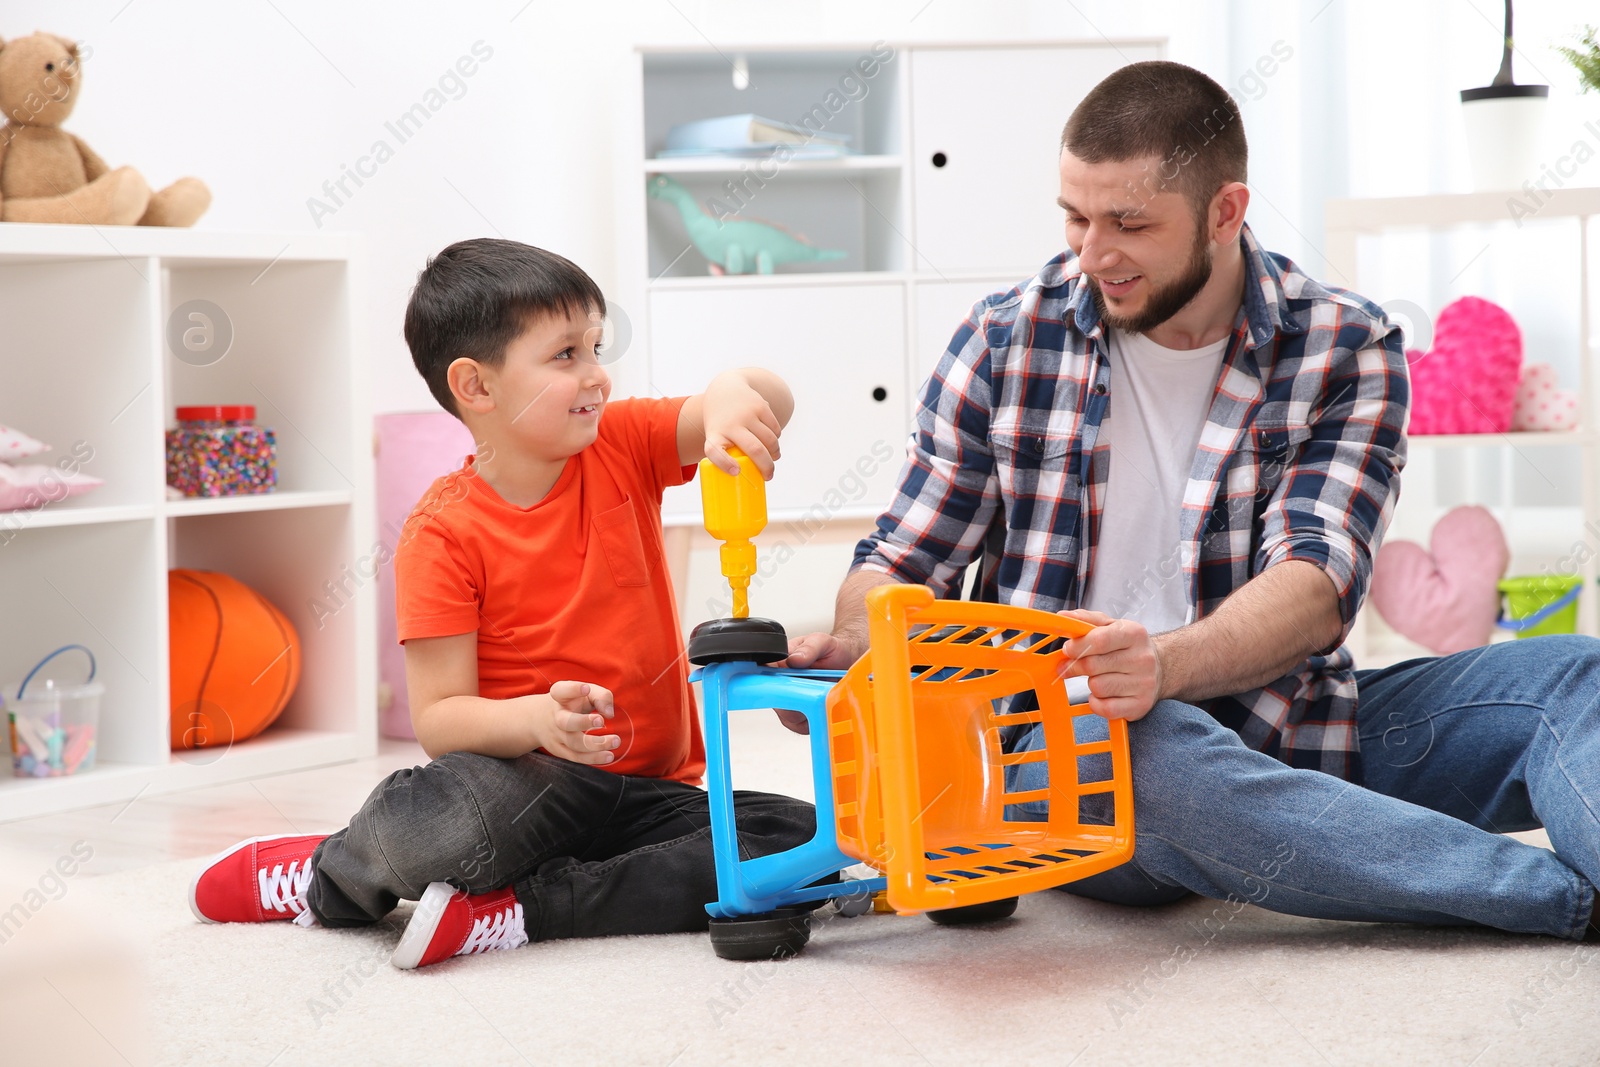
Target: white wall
[268,100]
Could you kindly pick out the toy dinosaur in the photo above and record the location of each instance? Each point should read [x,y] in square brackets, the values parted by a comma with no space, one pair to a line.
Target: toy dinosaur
[737,246]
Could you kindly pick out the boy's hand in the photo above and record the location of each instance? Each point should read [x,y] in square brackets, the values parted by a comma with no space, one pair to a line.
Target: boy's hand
[575,709]
[737,415]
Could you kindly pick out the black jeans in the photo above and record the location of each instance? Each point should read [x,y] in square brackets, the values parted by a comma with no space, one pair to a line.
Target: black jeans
[589,853]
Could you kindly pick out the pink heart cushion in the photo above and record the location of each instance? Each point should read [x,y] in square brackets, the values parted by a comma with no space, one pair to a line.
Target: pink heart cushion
[1444,597]
[1467,382]
[1542,405]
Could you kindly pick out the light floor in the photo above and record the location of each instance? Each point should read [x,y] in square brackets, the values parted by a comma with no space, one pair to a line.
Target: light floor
[113,969]
[200,822]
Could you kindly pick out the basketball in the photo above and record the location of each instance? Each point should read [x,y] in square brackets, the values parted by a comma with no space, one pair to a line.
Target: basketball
[235,660]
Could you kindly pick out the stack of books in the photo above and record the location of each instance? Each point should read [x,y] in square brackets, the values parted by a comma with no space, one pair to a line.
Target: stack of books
[750,137]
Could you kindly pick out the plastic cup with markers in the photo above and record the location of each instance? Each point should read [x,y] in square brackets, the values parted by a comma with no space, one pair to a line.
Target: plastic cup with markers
[53,724]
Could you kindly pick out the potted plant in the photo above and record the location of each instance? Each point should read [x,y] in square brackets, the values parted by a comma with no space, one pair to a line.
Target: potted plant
[1585,59]
[1503,121]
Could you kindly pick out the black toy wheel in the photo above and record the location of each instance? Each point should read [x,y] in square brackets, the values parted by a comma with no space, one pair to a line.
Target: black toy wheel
[988,912]
[723,640]
[773,935]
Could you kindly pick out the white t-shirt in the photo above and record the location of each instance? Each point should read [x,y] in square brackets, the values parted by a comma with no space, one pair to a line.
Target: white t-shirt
[1159,401]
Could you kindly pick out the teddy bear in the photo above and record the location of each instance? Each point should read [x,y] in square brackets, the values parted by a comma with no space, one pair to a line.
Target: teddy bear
[47,174]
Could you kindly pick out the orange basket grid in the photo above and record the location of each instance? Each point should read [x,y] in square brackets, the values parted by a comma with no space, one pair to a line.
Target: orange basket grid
[915,730]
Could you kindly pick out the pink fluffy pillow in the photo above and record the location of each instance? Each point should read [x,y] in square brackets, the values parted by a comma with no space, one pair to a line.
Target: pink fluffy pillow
[35,485]
[1467,382]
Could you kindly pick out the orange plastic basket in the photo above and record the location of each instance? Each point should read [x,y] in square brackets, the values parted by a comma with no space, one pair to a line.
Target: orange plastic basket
[919,774]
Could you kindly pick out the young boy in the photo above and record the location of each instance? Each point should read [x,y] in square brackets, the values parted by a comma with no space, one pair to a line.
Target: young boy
[544,661]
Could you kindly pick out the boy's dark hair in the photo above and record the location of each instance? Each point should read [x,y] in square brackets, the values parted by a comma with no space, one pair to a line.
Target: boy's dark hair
[475,297]
[1170,111]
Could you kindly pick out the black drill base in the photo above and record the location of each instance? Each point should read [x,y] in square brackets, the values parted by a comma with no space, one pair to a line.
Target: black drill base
[724,640]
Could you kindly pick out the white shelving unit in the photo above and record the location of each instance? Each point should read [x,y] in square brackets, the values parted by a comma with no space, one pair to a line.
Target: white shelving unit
[1546,536]
[85,359]
[952,197]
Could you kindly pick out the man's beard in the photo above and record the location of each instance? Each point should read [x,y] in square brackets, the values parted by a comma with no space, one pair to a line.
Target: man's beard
[1166,301]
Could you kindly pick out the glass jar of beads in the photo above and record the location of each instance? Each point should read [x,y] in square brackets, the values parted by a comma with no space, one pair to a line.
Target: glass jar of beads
[218,450]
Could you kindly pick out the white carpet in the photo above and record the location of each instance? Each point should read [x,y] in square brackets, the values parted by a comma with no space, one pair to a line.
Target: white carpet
[1066,981]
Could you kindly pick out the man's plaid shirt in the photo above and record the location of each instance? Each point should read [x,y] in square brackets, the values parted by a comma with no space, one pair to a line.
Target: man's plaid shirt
[1300,459]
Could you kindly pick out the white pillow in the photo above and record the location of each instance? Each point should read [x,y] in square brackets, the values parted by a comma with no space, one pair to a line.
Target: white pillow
[35,485]
[14,444]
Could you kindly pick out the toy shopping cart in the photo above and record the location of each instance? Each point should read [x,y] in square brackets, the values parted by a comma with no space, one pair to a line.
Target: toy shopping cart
[910,771]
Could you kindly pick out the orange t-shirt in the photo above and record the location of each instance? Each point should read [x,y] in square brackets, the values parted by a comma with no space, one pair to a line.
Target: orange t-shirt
[574,587]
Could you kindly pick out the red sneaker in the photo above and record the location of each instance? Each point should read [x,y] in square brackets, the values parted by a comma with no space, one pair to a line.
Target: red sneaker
[449,922]
[258,880]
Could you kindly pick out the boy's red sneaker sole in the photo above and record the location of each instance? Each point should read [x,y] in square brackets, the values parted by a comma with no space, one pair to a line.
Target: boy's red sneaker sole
[449,922]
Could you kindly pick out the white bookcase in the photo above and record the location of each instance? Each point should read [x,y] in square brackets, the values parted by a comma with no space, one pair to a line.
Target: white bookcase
[1543,487]
[950,197]
[85,358]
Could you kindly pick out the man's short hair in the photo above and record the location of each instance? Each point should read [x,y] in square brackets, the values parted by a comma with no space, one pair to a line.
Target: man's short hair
[475,297]
[1171,112]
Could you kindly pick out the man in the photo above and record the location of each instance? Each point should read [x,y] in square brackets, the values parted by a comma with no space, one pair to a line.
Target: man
[1186,441]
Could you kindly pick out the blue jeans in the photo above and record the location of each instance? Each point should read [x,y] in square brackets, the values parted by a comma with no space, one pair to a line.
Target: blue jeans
[1457,751]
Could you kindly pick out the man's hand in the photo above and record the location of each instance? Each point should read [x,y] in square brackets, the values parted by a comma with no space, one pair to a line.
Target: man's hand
[820,651]
[562,725]
[737,415]
[1120,660]
[793,720]
[823,652]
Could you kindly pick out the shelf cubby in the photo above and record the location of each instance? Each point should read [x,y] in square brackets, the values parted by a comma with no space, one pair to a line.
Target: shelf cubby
[289,321]
[852,212]
[92,584]
[298,559]
[784,85]
[76,372]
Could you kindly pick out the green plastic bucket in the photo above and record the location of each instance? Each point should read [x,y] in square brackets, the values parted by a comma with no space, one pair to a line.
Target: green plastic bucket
[1539,604]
